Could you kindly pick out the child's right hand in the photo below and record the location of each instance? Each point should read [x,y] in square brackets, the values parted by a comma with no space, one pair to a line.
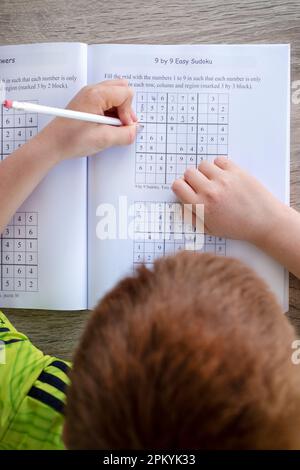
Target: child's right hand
[236,205]
[66,138]
[73,138]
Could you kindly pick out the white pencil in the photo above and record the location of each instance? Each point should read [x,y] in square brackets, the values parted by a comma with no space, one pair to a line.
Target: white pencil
[66,113]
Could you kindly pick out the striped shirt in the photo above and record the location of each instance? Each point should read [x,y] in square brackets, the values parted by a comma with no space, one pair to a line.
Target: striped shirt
[32,393]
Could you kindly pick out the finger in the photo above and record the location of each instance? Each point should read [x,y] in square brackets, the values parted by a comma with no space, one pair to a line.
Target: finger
[195,179]
[121,135]
[210,170]
[134,116]
[115,96]
[115,82]
[125,110]
[188,197]
[114,113]
[184,192]
[224,163]
[191,213]
[121,97]
[196,219]
[126,115]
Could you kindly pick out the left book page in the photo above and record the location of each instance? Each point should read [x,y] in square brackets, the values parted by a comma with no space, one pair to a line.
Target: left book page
[43,249]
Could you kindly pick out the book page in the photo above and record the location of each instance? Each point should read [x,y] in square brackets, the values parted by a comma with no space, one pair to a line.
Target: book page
[43,249]
[194,103]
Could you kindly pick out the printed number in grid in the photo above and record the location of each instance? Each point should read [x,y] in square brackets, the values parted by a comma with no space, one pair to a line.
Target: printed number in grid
[160,231]
[178,130]
[17,127]
[19,254]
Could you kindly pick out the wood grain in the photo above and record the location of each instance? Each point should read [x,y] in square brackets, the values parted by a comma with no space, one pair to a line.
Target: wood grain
[160,22]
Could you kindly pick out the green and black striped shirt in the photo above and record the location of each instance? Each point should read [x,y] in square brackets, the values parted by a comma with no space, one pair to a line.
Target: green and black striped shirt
[32,393]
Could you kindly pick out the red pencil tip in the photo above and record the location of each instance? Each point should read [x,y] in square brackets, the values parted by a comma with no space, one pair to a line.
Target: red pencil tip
[7,104]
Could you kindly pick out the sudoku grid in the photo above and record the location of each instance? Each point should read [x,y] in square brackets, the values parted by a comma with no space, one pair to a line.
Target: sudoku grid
[19,254]
[159,230]
[178,130]
[16,127]
[19,241]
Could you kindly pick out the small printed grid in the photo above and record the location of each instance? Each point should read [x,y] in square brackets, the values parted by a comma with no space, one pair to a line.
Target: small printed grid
[19,254]
[159,230]
[16,127]
[178,130]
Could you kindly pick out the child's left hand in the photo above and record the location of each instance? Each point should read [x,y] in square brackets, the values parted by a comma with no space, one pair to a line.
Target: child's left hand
[236,205]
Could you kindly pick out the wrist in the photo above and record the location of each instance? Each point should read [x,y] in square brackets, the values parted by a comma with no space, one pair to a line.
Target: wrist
[49,141]
[275,221]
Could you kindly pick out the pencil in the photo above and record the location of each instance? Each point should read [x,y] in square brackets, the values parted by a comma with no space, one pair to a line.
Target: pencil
[59,112]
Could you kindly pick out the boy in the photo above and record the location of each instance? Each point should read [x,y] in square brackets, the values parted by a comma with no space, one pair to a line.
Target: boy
[162,364]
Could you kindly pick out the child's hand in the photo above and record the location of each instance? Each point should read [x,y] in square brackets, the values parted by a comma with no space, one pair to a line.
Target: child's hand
[236,205]
[73,138]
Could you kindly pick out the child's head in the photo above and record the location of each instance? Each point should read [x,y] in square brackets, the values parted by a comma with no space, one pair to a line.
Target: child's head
[194,354]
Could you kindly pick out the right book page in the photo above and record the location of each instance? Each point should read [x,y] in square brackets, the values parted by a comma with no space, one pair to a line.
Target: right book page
[194,103]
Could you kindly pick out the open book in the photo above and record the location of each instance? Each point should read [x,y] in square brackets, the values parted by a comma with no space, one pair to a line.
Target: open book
[70,243]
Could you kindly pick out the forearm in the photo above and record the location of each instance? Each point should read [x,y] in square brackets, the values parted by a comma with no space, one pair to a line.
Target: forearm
[21,172]
[66,138]
[282,241]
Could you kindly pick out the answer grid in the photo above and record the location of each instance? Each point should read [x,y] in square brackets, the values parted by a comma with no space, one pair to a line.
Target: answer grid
[19,254]
[178,130]
[16,128]
[159,230]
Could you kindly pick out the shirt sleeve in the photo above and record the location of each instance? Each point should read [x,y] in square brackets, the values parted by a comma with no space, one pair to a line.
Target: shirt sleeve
[31,384]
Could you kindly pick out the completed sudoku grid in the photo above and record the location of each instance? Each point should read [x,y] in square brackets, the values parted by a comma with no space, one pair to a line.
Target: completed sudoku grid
[178,130]
[19,254]
[16,127]
[160,231]
[19,241]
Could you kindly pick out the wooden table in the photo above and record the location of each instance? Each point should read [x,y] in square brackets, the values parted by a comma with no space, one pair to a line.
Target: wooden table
[161,22]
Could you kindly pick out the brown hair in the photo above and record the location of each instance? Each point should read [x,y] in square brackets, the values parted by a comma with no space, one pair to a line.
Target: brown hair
[192,354]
